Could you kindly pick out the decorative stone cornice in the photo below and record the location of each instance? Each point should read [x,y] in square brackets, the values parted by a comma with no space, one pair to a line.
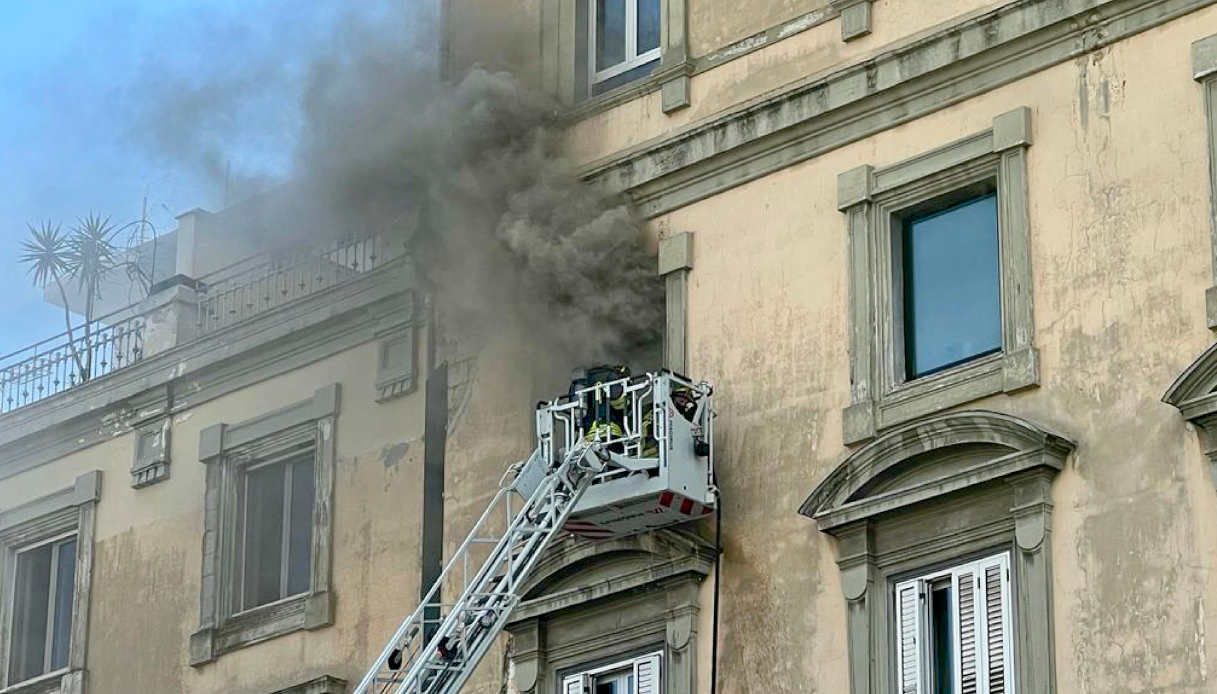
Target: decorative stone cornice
[916,77]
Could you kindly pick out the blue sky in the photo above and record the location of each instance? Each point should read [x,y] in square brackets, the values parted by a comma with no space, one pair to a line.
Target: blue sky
[104,103]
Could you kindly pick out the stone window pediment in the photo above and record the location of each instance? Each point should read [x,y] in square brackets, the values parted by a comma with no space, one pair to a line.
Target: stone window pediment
[930,458]
[593,602]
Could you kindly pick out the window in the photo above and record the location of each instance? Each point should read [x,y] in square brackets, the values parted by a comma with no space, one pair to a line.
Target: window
[638,675]
[46,559]
[951,285]
[267,526]
[276,508]
[953,630]
[42,608]
[623,41]
[939,278]
[933,493]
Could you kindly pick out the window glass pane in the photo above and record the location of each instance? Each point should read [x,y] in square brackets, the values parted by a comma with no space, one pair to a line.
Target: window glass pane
[65,588]
[610,33]
[952,292]
[648,25]
[31,602]
[941,641]
[300,542]
[263,535]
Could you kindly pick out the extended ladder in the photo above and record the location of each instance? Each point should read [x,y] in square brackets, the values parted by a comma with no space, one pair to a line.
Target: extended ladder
[437,648]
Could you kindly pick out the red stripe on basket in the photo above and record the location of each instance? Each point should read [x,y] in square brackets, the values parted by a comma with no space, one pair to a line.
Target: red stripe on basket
[665,499]
[686,506]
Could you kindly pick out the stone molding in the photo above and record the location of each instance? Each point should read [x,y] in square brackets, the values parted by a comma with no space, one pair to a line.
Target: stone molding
[70,509]
[1193,394]
[675,264]
[872,200]
[325,684]
[1204,71]
[225,449]
[903,82]
[888,526]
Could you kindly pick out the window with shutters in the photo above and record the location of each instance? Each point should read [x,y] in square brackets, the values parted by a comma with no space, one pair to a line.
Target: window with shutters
[936,522]
[637,675]
[952,630]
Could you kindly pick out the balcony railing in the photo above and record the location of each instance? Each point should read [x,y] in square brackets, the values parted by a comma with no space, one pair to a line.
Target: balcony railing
[67,360]
[270,280]
[225,297]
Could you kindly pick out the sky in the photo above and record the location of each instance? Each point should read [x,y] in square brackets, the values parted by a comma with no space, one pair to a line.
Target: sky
[104,105]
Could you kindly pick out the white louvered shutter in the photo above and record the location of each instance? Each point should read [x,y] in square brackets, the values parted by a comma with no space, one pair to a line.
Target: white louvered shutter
[646,674]
[967,645]
[996,635]
[574,684]
[908,637]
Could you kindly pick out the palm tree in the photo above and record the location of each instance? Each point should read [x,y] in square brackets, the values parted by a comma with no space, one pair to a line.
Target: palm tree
[86,255]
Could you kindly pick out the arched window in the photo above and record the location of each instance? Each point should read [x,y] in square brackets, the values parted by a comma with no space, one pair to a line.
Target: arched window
[942,529]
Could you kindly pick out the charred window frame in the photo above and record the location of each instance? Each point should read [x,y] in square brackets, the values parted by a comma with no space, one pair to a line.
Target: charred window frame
[289,455]
[876,203]
[62,522]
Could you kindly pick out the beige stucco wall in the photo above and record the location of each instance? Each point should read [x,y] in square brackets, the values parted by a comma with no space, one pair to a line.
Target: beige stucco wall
[147,561]
[1120,256]
[801,57]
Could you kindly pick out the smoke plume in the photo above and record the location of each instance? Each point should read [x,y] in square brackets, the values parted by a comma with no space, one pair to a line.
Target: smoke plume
[469,173]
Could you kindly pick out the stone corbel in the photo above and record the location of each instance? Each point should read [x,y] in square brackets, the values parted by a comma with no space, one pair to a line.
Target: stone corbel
[527,654]
[857,564]
[680,638]
[1032,510]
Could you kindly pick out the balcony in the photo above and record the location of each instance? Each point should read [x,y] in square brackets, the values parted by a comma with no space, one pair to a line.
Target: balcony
[184,309]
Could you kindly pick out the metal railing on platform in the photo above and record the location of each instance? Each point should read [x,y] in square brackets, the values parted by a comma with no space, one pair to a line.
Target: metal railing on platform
[67,360]
[226,297]
[270,280]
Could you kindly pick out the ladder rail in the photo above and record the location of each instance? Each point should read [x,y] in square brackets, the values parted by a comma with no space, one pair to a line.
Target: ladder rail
[494,586]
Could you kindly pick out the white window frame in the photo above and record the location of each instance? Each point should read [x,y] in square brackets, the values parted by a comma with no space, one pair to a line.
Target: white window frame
[632,58]
[583,682]
[54,541]
[921,585]
[290,460]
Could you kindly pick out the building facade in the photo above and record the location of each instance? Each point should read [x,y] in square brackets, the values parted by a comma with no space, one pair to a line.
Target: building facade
[950,267]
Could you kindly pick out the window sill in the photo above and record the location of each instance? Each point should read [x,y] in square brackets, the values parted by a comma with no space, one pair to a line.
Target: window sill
[303,612]
[62,681]
[625,93]
[1003,372]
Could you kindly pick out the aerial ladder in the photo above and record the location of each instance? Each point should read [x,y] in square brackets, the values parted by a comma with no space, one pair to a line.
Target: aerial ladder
[613,458]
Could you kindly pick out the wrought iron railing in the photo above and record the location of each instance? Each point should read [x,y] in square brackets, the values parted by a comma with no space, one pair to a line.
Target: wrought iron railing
[54,365]
[226,297]
[270,280]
